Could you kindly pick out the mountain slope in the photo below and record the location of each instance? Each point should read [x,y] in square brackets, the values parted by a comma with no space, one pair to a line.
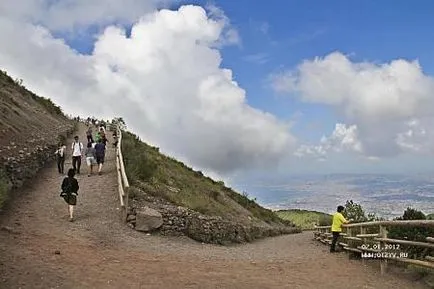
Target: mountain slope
[30,127]
[157,177]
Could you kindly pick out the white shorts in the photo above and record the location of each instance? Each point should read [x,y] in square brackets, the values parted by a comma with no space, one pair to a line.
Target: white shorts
[90,161]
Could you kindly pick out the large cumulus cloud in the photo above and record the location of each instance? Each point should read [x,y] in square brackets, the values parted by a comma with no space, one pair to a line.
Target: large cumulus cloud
[388,106]
[164,78]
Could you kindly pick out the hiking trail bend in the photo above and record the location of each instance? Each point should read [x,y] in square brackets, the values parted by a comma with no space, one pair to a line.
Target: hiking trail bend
[98,250]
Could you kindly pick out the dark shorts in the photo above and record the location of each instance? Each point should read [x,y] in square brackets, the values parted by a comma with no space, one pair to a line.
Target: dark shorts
[70,199]
[99,159]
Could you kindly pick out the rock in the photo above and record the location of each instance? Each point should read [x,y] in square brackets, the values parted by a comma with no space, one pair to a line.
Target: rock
[131,218]
[148,219]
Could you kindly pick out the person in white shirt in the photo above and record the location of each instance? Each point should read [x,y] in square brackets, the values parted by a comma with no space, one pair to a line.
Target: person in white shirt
[60,155]
[77,149]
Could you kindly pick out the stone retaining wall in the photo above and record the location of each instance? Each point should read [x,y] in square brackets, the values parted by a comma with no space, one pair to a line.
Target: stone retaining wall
[207,229]
[22,161]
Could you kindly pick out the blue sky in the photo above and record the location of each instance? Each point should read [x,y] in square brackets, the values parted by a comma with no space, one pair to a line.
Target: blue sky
[290,31]
[363,93]
[284,34]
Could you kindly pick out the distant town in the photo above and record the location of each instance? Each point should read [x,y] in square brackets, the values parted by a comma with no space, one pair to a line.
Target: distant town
[385,195]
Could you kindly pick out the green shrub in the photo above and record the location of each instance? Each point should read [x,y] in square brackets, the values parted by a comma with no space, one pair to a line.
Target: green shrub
[356,212]
[412,233]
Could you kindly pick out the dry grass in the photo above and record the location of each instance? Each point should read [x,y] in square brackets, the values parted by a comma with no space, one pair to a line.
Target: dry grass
[306,219]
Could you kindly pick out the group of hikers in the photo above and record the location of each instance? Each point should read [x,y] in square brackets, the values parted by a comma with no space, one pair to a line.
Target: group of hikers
[94,154]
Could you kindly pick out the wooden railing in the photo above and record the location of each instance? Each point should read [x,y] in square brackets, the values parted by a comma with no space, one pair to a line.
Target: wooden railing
[123,183]
[376,244]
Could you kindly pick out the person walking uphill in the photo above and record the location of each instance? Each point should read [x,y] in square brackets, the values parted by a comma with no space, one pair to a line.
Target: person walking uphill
[100,154]
[77,148]
[90,158]
[338,221]
[70,192]
[60,157]
[89,135]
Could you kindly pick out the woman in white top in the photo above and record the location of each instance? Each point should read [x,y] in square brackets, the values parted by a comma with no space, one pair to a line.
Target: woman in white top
[60,155]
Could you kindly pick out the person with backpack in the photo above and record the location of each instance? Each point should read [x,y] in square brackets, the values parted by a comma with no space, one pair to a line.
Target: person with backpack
[77,148]
[60,157]
[100,154]
[69,192]
[89,153]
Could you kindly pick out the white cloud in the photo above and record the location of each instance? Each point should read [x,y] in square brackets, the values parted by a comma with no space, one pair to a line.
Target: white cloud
[258,58]
[418,138]
[343,138]
[229,35]
[380,100]
[68,15]
[165,80]
[264,27]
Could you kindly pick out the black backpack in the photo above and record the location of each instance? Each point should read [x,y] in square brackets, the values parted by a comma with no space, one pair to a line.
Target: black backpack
[67,189]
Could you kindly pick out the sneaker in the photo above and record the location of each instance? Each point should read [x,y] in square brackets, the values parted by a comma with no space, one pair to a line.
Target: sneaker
[71,219]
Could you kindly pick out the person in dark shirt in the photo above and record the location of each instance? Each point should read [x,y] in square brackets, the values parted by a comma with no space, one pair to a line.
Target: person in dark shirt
[69,192]
[100,154]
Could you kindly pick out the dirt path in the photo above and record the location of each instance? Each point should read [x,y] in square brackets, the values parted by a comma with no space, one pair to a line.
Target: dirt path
[99,251]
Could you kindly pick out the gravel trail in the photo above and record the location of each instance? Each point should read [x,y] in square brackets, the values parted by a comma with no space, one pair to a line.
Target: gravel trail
[99,251]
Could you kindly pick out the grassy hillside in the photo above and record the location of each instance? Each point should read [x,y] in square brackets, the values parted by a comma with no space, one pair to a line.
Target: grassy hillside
[304,218]
[165,177]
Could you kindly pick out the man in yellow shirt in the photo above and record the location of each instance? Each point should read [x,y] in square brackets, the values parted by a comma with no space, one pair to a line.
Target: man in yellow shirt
[338,221]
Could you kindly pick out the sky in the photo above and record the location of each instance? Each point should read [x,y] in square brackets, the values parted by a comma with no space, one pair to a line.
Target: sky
[241,90]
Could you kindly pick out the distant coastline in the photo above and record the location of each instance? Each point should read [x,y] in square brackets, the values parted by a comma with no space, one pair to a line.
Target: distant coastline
[387,195]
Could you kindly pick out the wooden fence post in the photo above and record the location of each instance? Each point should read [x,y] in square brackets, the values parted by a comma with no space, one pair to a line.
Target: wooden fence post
[381,241]
[362,232]
[383,261]
[350,234]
